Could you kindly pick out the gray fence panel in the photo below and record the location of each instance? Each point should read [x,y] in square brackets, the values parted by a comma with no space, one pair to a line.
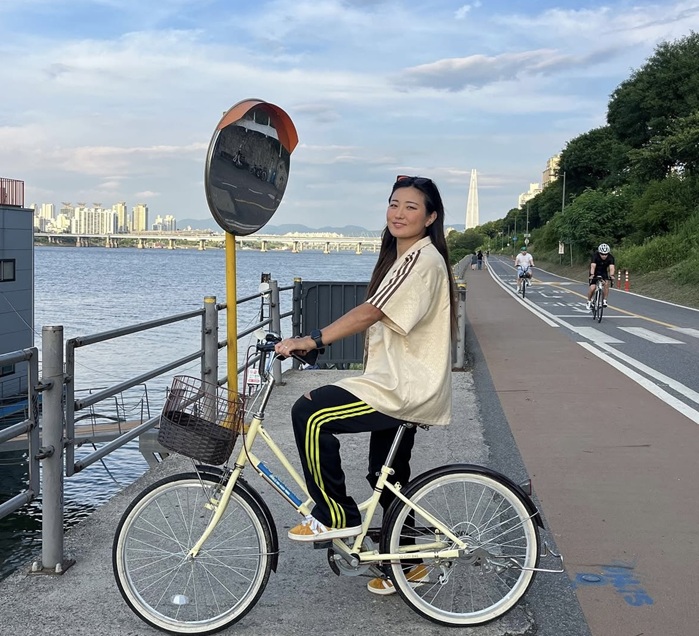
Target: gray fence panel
[323,302]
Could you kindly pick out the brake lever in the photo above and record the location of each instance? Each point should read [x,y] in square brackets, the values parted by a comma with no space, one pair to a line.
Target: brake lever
[309,357]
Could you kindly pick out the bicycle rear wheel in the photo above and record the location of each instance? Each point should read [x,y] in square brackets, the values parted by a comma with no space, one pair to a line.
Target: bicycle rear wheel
[199,595]
[495,523]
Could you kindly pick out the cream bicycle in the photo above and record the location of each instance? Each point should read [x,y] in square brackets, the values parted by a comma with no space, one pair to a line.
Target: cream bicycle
[193,552]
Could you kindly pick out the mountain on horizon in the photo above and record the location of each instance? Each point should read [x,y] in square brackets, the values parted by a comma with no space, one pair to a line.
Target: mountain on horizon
[347,230]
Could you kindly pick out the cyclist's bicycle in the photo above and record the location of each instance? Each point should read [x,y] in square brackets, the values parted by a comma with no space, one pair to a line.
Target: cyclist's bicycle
[522,280]
[597,306]
[193,552]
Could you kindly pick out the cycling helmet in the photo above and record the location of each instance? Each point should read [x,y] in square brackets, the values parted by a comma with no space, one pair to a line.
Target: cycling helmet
[603,249]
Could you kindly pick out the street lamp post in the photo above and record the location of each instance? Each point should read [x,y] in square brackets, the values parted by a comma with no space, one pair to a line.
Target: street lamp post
[527,217]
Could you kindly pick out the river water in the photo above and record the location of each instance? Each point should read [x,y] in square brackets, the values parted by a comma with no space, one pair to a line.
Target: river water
[92,290]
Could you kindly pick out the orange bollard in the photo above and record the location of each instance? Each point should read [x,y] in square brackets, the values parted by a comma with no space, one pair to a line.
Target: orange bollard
[618,281]
[626,284]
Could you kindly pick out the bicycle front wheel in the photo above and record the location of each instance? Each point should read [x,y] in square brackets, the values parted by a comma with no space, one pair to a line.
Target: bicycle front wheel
[524,287]
[502,539]
[184,595]
[599,296]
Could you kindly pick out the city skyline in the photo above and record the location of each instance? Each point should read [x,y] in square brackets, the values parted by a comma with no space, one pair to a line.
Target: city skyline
[125,97]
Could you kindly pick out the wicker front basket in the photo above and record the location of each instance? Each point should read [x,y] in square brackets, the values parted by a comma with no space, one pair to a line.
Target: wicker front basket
[200,420]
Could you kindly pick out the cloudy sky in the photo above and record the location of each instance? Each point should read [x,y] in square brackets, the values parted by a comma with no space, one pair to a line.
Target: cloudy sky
[111,100]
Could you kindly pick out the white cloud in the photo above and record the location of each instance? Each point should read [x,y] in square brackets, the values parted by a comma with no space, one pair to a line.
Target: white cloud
[125,105]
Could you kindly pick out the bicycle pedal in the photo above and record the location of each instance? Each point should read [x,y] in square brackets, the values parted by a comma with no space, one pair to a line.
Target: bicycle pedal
[322,545]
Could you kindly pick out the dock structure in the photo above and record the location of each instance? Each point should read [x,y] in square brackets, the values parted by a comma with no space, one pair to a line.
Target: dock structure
[86,433]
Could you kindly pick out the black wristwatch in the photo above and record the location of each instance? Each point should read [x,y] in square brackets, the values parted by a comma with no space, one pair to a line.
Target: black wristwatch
[317,337]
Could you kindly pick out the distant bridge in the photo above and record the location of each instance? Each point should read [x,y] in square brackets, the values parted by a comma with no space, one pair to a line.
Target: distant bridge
[263,242]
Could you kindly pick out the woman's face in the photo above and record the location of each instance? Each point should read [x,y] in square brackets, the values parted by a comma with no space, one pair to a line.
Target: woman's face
[407,216]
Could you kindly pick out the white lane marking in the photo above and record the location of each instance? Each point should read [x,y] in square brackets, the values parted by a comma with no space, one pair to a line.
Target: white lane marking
[651,336]
[595,335]
[586,314]
[528,305]
[687,330]
[690,394]
[649,386]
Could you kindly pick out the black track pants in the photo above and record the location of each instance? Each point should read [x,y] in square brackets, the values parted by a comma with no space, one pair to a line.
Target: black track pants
[333,411]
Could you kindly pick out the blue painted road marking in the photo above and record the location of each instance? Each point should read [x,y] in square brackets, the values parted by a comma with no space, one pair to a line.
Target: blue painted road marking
[621,578]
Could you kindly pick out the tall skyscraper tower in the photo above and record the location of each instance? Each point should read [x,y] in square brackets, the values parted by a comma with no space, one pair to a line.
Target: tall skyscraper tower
[472,202]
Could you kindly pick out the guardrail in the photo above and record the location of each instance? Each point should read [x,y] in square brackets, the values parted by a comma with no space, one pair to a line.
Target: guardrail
[51,450]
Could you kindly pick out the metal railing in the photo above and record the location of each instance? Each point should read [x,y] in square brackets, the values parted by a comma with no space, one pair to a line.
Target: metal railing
[27,426]
[11,192]
[52,448]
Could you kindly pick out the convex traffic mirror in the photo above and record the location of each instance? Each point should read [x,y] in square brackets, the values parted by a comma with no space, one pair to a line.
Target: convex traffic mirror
[247,165]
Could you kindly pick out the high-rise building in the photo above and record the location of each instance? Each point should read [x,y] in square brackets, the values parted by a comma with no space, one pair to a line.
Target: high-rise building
[472,213]
[534,189]
[122,216]
[551,171]
[167,224]
[47,211]
[139,221]
[95,220]
[67,209]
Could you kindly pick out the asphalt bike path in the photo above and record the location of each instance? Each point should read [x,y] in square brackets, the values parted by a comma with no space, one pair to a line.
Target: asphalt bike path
[655,342]
[613,464]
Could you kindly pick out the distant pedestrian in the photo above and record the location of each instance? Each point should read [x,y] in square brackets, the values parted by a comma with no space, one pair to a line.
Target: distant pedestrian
[479,257]
[474,261]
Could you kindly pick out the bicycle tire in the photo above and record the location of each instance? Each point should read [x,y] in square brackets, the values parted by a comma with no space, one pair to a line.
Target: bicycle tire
[524,287]
[493,517]
[191,596]
[599,304]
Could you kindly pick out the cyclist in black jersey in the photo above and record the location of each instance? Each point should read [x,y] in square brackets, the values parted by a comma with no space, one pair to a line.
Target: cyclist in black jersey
[602,264]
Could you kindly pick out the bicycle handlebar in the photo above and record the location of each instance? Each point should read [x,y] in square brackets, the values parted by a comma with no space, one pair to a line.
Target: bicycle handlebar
[271,339]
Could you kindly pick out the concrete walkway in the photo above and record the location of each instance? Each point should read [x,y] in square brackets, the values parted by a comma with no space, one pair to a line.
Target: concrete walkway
[303,597]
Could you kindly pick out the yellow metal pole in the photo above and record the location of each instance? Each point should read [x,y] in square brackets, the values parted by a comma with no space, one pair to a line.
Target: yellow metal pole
[231,315]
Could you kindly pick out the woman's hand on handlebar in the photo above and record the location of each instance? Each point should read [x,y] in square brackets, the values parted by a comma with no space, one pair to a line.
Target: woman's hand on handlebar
[300,346]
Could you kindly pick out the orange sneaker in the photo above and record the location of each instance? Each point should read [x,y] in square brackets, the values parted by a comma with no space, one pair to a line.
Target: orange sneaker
[310,529]
[417,575]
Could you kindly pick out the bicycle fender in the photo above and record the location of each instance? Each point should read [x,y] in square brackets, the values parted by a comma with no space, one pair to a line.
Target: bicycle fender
[249,490]
[418,481]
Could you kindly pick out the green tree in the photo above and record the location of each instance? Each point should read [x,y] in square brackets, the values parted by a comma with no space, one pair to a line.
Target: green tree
[546,204]
[592,218]
[677,151]
[595,159]
[662,205]
[461,244]
[663,91]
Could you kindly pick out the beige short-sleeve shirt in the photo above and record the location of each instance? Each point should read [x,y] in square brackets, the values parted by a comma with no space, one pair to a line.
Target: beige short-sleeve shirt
[407,372]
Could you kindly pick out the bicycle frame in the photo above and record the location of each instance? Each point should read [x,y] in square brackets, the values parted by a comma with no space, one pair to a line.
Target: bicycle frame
[367,507]
[473,532]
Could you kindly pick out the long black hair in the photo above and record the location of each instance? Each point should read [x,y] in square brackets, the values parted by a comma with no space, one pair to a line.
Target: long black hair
[435,230]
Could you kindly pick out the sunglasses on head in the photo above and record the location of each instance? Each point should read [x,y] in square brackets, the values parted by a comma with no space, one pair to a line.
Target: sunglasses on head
[418,181]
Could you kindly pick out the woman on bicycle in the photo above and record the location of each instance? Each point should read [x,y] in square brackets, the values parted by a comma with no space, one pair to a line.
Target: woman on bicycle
[409,317]
[602,264]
